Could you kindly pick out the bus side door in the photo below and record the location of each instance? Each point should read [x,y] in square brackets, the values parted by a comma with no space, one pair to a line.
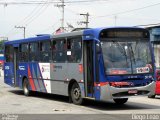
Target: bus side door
[88,52]
[9,66]
[15,66]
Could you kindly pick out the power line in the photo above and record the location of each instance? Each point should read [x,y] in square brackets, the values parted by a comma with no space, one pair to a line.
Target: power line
[153,24]
[29,16]
[43,3]
[127,11]
[32,16]
[24,29]
[50,2]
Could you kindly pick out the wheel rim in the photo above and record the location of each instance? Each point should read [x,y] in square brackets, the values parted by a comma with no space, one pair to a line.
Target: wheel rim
[76,93]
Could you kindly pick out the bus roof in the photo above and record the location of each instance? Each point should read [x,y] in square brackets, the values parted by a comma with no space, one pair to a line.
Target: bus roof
[32,39]
[88,34]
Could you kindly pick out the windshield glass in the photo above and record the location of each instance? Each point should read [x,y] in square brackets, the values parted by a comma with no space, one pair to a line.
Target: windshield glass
[126,57]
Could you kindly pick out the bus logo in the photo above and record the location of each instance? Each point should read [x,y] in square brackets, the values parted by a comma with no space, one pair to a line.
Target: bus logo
[21,68]
[6,67]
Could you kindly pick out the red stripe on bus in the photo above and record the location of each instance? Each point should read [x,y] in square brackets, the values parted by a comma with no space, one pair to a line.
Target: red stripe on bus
[31,80]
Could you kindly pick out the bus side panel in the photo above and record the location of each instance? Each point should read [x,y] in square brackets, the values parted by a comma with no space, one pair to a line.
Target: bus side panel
[58,74]
[9,74]
[97,92]
[43,73]
[102,80]
[22,72]
[38,75]
[74,73]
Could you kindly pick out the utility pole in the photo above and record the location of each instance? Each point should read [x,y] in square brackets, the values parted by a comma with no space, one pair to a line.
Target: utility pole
[62,5]
[24,29]
[115,20]
[86,22]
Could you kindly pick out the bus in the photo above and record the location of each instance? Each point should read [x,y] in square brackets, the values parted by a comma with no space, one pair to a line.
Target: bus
[2,53]
[157,88]
[156,47]
[155,40]
[99,63]
[1,59]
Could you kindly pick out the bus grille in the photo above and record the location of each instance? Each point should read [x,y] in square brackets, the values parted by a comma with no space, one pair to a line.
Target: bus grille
[123,94]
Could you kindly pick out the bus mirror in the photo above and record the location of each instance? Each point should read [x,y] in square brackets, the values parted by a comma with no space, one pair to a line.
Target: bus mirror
[98,48]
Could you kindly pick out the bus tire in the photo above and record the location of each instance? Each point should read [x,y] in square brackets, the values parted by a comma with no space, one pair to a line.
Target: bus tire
[76,94]
[151,96]
[26,90]
[120,101]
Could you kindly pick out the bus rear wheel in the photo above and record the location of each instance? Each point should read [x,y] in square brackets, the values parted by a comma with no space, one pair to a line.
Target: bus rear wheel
[26,90]
[120,101]
[76,94]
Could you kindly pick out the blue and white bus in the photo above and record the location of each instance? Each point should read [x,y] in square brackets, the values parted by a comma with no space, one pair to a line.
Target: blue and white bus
[101,64]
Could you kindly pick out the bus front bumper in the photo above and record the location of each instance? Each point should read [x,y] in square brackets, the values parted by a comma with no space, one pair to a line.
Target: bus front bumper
[109,92]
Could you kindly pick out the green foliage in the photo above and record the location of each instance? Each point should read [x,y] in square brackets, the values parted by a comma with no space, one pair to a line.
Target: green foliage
[2,45]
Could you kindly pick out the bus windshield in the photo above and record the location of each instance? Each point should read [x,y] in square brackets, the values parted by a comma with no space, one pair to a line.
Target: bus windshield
[123,56]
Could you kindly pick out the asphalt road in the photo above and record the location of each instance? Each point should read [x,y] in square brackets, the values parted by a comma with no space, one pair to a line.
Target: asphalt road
[13,102]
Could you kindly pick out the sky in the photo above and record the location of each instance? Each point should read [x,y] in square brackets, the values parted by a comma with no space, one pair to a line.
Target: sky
[45,18]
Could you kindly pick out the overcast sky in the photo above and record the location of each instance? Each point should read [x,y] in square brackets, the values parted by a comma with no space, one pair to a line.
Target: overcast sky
[45,19]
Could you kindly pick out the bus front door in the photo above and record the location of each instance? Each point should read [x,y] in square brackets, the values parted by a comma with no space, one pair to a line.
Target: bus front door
[10,65]
[88,68]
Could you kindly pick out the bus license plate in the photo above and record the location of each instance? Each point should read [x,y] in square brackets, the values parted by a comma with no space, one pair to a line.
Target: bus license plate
[132,91]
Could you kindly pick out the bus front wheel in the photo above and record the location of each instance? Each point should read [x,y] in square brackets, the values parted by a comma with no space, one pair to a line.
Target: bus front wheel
[26,87]
[76,94]
[120,101]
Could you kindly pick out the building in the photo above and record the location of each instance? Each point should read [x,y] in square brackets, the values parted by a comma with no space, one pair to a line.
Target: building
[155,39]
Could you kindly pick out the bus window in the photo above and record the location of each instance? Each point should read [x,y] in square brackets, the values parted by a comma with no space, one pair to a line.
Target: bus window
[9,53]
[23,52]
[75,49]
[33,54]
[45,52]
[59,50]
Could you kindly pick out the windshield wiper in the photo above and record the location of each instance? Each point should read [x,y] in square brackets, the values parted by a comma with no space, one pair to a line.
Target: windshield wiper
[122,50]
[132,54]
